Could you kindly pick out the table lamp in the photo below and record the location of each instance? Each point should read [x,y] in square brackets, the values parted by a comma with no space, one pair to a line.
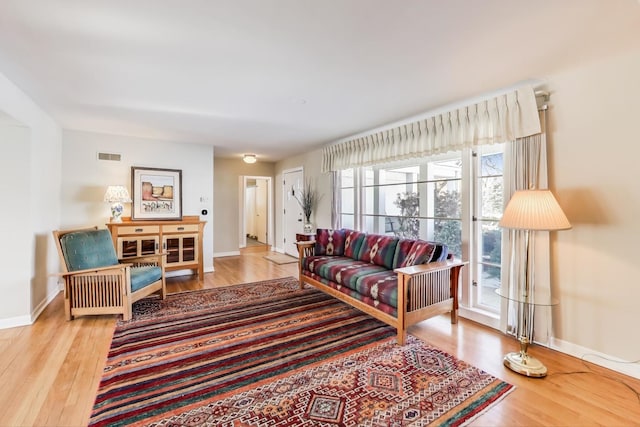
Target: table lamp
[117,195]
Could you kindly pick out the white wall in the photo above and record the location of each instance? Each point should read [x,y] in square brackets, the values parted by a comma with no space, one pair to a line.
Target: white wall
[30,176]
[594,147]
[85,178]
[16,197]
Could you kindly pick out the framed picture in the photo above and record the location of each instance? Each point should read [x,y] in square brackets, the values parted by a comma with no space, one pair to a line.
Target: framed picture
[156,193]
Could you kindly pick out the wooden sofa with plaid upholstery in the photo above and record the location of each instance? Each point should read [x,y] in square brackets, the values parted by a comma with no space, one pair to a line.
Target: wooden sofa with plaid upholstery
[398,281]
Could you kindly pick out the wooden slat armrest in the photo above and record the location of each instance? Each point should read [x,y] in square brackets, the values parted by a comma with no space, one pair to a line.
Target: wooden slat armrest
[415,270]
[95,270]
[305,249]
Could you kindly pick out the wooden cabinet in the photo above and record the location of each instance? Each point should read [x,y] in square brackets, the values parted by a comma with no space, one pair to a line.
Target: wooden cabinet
[180,240]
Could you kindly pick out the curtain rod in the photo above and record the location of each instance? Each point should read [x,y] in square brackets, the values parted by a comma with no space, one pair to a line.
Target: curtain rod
[545,98]
[542,94]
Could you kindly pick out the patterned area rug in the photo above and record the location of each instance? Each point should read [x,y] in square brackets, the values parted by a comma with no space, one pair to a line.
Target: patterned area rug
[270,354]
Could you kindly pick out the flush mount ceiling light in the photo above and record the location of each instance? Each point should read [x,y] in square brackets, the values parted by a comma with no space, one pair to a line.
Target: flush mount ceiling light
[249,158]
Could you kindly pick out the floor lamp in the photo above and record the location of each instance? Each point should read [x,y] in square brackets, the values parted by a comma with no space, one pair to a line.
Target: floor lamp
[530,210]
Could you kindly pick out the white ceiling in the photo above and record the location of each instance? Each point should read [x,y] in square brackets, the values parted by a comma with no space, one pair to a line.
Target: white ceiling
[278,77]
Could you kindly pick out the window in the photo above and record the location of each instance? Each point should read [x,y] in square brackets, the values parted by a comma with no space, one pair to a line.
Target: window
[425,198]
[488,207]
[406,200]
[347,199]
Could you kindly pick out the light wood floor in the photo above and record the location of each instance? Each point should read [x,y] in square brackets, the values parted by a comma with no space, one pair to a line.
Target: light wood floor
[49,372]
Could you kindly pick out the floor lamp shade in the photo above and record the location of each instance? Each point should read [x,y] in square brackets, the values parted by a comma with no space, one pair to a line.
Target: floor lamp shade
[535,210]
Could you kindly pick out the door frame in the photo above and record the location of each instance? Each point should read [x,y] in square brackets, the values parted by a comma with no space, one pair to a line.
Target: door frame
[242,241]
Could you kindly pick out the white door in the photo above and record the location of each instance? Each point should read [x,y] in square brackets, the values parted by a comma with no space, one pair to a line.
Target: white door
[292,218]
[260,223]
[250,211]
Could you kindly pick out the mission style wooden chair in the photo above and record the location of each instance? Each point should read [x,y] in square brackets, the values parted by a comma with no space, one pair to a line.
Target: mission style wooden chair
[96,282]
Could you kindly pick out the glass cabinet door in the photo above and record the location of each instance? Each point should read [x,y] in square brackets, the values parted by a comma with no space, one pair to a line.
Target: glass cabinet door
[189,249]
[129,247]
[172,249]
[180,249]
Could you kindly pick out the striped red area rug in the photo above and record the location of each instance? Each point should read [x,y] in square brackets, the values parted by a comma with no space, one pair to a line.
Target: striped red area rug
[270,354]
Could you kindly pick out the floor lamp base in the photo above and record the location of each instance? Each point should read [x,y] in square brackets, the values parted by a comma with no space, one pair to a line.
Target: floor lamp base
[524,364]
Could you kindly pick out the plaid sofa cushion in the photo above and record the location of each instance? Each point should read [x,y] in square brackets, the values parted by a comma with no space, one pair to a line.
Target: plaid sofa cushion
[342,270]
[385,308]
[378,249]
[329,242]
[382,287]
[317,263]
[352,242]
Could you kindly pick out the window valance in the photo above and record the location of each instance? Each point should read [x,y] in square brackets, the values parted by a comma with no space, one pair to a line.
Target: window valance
[499,119]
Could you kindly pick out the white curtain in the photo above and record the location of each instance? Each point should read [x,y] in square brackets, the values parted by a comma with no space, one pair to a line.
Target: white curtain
[501,118]
[336,201]
[526,168]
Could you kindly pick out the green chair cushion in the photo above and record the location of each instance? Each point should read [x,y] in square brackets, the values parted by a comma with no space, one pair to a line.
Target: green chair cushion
[144,276]
[88,249]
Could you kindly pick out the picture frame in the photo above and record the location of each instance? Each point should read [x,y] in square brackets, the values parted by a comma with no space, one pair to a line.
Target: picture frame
[156,193]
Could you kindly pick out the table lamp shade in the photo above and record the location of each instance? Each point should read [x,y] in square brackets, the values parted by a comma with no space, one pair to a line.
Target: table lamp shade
[534,210]
[117,193]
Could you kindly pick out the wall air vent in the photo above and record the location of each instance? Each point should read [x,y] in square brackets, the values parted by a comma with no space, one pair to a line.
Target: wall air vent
[110,156]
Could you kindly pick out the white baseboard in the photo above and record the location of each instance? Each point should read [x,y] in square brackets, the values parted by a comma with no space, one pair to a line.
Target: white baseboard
[189,272]
[26,320]
[610,362]
[43,304]
[223,254]
[178,273]
[13,322]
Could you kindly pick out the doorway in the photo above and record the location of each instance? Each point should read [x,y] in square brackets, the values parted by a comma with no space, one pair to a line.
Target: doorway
[256,223]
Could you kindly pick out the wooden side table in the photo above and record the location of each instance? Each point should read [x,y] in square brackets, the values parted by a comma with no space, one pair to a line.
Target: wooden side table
[305,237]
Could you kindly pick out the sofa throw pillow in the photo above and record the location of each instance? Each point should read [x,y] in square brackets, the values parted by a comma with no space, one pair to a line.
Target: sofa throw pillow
[441,252]
[378,249]
[352,241]
[421,252]
[329,242]
[402,250]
